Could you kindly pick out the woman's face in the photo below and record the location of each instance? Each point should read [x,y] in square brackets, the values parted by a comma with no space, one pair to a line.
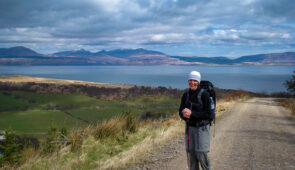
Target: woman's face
[193,84]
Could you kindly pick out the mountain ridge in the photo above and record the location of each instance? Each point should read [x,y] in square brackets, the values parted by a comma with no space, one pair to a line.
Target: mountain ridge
[18,51]
[24,56]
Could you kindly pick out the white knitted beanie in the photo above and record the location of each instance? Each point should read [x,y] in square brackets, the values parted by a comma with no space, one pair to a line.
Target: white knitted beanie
[194,75]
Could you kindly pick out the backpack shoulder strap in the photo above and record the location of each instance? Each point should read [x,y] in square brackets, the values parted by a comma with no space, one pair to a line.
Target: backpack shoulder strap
[187,94]
[187,98]
[200,97]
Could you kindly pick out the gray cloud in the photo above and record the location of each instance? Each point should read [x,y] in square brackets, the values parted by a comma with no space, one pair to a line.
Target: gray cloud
[35,13]
[107,23]
[273,9]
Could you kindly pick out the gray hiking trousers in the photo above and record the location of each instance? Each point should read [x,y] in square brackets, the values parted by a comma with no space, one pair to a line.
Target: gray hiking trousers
[198,146]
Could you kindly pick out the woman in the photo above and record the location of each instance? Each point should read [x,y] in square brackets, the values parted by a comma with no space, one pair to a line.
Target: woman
[195,110]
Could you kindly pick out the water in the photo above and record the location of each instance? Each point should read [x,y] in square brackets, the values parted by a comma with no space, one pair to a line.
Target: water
[252,78]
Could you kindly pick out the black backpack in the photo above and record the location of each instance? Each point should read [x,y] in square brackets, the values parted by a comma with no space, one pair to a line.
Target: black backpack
[208,86]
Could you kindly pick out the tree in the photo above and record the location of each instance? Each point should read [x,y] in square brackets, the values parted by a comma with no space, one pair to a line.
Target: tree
[50,144]
[290,84]
[11,151]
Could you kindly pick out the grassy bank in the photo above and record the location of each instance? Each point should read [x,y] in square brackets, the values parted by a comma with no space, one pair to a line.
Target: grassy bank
[110,152]
[289,104]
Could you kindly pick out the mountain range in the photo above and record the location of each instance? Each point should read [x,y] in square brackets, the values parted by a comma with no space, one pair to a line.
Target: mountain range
[25,56]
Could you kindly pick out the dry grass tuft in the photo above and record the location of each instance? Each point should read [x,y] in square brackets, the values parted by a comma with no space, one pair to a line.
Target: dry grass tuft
[237,95]
[109,128]
[223,105]
[121,124]
[169,122]
[76,138]
[29,153]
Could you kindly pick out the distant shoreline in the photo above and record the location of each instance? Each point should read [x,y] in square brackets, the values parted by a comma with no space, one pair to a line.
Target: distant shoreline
[27,79]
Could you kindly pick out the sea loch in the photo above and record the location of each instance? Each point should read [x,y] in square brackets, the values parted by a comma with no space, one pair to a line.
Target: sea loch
[253,78]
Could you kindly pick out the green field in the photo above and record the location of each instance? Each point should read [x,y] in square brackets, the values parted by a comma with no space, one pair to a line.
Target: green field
[31,113]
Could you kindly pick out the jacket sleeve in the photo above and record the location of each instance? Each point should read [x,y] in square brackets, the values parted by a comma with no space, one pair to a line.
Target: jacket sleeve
[182,106]
[204,113]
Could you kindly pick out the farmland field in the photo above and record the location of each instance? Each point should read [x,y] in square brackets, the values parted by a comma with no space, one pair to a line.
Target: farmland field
[31,113]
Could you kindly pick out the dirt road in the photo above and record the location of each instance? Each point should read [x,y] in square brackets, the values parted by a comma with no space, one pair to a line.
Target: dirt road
[255,134]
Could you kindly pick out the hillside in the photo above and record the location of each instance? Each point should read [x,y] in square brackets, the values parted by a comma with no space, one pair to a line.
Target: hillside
[287,58]
[25,56]
[18,51]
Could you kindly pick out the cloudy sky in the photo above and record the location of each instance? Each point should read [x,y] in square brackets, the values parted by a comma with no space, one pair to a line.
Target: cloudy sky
[230,28]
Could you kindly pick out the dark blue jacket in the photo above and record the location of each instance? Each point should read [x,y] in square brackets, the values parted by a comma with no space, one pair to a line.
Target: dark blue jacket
[199,112]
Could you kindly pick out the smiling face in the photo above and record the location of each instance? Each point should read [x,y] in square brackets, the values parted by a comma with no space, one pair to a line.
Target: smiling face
[193,84]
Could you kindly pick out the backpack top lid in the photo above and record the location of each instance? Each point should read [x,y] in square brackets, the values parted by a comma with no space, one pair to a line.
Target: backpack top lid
[209,87]
[206,84]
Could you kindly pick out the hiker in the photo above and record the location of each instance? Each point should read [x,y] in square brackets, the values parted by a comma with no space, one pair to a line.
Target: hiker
[196,115]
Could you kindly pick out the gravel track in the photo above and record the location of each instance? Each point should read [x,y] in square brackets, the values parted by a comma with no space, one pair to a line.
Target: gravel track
[255,134]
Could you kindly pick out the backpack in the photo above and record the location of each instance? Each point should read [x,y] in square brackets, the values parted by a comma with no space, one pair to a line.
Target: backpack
[208,86]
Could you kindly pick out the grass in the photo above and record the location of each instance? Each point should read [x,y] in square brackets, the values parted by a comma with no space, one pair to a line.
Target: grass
[67,100]
[112,145]
[116,151]
[158,134]
[36,122]
[237,95]
[99,143]
[289,104]
[8,103]
[157,105]
[24,79]
[30,113]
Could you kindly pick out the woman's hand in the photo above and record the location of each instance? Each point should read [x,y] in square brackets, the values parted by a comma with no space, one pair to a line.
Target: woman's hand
[186,113]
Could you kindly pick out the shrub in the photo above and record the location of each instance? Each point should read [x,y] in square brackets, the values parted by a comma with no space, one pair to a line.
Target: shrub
[290,84]
[63,133]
